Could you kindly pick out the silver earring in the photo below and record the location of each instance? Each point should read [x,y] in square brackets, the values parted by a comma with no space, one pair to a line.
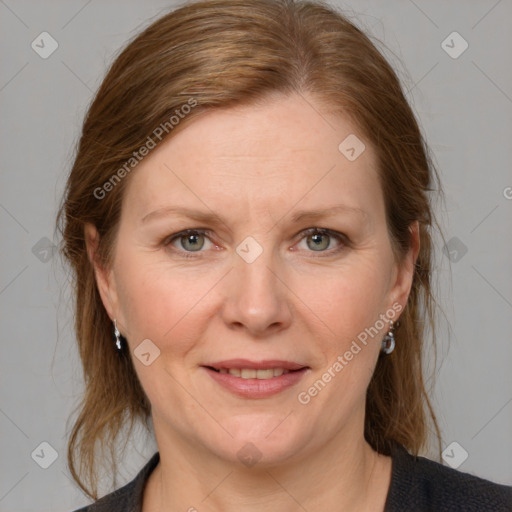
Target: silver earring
[388,343]
[117,335]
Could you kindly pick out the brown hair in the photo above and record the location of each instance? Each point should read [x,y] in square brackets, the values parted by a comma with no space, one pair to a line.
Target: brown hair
[216,54]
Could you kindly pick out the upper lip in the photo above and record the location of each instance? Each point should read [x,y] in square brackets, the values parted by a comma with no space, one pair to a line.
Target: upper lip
[256,365]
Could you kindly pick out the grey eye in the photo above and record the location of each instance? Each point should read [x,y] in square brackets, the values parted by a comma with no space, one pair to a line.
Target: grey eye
[317,243]
[192,241]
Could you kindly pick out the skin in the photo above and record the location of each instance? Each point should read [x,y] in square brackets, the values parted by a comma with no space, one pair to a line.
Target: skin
[256,166]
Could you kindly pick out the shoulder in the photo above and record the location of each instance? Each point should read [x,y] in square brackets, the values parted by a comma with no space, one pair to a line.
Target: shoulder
[420,484]
[127,498]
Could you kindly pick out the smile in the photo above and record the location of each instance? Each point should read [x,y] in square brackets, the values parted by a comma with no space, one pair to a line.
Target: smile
[256,383]
[250,373]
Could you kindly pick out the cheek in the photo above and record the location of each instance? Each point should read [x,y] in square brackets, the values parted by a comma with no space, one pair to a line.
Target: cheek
[163,304]
[351,300]
[350,305]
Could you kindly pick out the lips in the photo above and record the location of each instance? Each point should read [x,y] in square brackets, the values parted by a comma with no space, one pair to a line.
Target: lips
[256,379]
[255,365]
[251,373]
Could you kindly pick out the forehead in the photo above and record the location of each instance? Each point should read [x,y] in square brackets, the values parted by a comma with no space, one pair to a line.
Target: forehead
[280,152]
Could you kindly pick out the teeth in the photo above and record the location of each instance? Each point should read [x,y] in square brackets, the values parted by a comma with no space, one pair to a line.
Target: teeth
[264,374]
[250,373]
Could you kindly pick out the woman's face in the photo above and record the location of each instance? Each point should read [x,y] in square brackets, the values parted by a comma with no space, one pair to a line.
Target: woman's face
[256,289]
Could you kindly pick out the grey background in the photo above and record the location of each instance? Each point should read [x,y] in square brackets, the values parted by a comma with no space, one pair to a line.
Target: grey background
[465,109]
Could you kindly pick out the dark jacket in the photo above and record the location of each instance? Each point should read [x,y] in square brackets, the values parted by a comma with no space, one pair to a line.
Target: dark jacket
[417,485]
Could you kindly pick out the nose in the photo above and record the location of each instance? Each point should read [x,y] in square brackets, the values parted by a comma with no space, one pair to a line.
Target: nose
[257,299]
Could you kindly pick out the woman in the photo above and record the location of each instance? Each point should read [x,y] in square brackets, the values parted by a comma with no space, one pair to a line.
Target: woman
[249,227]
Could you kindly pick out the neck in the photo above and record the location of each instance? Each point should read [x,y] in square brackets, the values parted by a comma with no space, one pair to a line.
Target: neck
[339,476]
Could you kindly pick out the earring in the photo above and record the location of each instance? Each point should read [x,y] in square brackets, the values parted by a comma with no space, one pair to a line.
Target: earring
[117,335]
[388,343]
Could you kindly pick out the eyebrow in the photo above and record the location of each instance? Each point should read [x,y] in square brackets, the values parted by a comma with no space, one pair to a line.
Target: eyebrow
[212,217]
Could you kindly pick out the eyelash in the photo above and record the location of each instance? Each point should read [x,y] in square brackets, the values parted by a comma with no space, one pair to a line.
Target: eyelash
[341,237]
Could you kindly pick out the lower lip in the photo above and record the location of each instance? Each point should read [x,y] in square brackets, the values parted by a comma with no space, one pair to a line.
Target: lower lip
[256,388]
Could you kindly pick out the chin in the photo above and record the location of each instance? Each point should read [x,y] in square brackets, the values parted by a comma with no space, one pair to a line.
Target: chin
[260,441]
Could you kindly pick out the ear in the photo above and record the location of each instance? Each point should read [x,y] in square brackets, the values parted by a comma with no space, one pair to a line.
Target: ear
[405,270]
[104,277]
